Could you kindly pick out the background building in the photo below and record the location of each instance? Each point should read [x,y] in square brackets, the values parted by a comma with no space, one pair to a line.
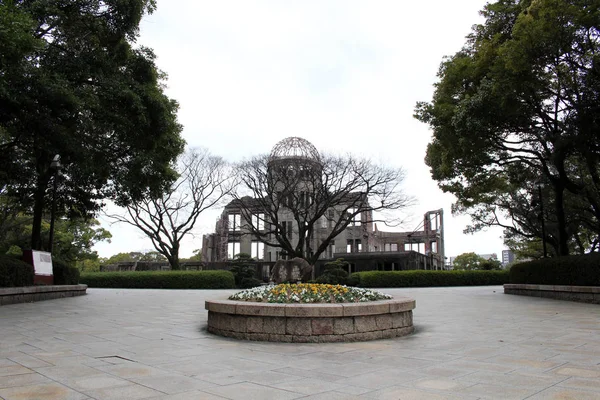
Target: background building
[360,243]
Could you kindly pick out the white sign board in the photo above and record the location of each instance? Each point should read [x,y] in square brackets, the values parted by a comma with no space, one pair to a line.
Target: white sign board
[42,262]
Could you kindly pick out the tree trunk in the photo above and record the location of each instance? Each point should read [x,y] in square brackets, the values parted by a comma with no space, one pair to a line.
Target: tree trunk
[174,259]
[563,246]
[38,211]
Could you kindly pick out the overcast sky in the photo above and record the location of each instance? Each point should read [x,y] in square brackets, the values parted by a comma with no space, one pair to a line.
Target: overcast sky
[344,75]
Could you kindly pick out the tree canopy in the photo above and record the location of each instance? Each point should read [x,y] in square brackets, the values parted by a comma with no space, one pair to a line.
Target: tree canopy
[71,83]
[166,219]
[472,261]
[519,107]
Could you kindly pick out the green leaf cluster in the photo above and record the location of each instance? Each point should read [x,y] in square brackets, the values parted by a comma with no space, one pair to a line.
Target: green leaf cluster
[14,272]
[472,261]
[335,272]
[72,83]
[160,280]
[579,270]
[390,279]
[518,106]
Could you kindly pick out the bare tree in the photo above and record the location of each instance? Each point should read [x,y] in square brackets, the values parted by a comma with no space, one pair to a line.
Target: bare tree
[204,181]
[320,197]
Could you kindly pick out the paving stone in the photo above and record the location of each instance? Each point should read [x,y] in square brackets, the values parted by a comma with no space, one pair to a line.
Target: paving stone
[255,325]
[300,326]
[14,370]
[99,381]
[581,383]
[396,392]
[308,386]
[274,325]
[342,326]
[22,380]
[365,323]
[194,395]
[172,384]
[322,326]
[579,372]
[496,346]
[128,392]
[560,393]
[251,391]
[49,391]
[497,392]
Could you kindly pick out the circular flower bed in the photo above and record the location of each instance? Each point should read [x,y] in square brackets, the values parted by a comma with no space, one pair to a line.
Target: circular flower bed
[308,293]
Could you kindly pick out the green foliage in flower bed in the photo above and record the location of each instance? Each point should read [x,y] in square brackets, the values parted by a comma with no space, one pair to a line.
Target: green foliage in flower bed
[14,272]
[420,278]
[160,280]
[308,293]
[64,274]
[579,270]
[335,273]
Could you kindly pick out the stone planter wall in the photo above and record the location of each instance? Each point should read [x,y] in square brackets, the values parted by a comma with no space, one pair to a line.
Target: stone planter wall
[28,294]
[585,294]
[311,323]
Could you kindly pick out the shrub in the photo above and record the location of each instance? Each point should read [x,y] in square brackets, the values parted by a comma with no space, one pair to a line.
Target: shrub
[14,272]
[335,273]
[578,270]
[64,274]
[243,268]
[248,283]
[160,280]
[420,278]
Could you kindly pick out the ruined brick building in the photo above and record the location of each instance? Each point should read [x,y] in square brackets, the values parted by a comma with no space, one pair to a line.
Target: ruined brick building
[360,243]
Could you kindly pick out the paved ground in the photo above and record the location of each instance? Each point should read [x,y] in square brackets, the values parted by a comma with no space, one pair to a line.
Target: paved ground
[469,343]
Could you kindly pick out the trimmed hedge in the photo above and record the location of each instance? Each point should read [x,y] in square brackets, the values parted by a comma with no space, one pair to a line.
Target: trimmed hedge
[420,278]
[160,280]
[578,270]
[64,274]
[14,272]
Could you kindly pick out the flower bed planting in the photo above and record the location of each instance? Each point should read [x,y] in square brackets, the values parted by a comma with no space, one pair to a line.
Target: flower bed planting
[312,313]
[308,293]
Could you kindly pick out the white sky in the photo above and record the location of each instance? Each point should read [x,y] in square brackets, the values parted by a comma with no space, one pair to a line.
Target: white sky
[344,75]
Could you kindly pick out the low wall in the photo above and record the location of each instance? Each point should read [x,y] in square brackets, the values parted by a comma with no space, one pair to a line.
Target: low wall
[586,294]
[311,323]
[27,294]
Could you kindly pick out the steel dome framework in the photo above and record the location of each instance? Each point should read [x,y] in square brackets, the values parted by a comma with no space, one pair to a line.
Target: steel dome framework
[295,148]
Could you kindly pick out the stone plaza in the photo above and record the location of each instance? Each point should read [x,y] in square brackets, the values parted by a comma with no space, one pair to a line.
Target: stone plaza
[469,343]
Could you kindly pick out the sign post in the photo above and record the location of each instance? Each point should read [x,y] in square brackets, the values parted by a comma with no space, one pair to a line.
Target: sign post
[42,264]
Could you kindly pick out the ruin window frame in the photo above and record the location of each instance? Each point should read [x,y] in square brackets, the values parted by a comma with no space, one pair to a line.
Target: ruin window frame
[234,222]
[258,221]
[257,250]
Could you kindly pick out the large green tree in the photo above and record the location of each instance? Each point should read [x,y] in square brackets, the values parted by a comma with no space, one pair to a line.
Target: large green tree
[73,238]
[71,83]
[519,106]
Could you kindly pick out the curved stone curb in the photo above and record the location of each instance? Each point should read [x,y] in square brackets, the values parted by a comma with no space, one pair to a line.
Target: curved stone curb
[311,323]
[26,294]
[585,294]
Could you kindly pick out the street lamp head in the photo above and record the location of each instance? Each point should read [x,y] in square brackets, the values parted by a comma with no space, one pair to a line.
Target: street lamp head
[55,164]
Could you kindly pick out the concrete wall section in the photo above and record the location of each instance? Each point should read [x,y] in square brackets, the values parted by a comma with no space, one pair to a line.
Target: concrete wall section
[29,294]
[585,294]
[311,323]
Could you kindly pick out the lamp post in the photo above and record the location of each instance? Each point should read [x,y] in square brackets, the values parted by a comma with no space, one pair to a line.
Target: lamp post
[56,166]
[539,186]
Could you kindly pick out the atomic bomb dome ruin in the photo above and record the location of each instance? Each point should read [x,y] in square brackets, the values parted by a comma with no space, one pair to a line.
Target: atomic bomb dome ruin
[360,243]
